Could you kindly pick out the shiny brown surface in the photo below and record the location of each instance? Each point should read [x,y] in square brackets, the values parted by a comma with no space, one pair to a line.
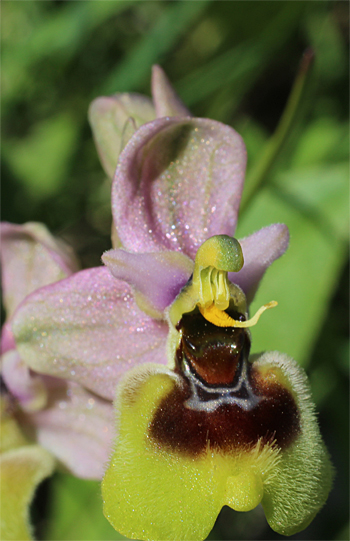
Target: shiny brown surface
[269,412]
[215,358]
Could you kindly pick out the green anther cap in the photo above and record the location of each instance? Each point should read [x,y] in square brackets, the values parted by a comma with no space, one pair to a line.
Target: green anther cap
[222,252]
[215,258]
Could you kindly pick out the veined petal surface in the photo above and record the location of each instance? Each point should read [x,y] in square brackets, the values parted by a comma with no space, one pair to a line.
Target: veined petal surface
[260,250]
[178,181]
[88,329]
[31,258]
[158,277]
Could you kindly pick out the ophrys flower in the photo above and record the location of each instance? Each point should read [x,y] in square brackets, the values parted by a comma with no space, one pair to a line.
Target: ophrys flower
[200,424]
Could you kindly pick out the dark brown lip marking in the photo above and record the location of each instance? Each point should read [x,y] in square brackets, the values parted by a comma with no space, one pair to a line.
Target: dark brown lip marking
[224,403]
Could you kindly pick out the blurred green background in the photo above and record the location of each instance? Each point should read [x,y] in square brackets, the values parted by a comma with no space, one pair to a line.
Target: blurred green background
[233,61]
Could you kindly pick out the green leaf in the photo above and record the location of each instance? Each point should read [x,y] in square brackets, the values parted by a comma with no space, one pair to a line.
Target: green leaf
[241,65]
[172,23]
[324,35]
[313,202]
[37,34]
[324,140]
[41,160]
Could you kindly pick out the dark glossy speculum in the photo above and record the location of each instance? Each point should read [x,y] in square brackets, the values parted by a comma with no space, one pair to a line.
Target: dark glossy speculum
[214,354]
[224,402]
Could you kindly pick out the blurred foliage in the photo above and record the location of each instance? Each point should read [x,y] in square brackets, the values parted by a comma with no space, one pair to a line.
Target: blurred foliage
[234,62]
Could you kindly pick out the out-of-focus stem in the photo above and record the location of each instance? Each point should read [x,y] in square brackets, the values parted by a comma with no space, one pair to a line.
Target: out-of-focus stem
[258,173]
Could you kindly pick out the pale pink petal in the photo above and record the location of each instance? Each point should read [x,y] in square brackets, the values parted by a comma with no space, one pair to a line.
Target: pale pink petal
[260,250]
[7,339]
[178,182]
[158,276]
[31,258]
[89,329]
[165,99]
[116,242]
[108,117]
[77,427]
[26,386]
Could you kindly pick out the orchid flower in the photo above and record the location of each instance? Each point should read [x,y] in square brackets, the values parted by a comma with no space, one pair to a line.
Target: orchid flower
[163,330]
[45,421]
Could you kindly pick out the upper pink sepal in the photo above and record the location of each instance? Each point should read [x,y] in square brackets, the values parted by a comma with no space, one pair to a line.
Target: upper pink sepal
[165,99]
[158,276]
[178,182]
[31,258]
[89,329]
[260,250]
[108,117]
